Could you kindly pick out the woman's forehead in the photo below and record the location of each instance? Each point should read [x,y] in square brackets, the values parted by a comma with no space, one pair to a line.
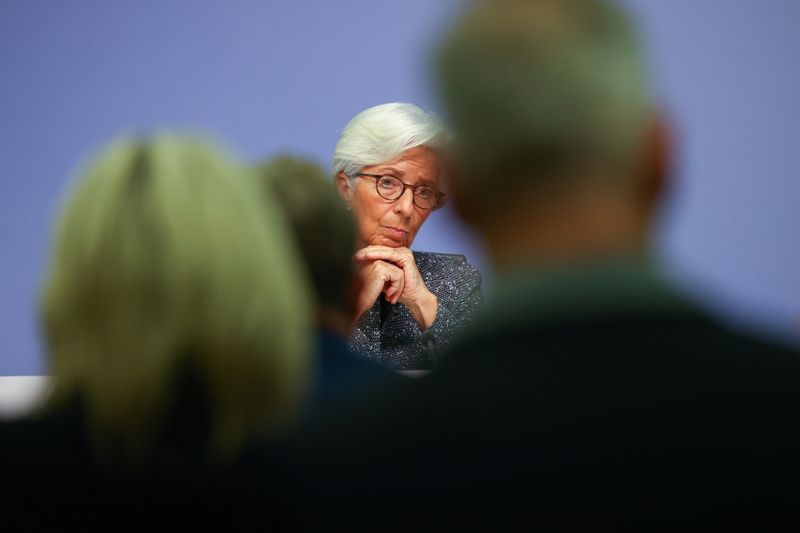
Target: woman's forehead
[420,163]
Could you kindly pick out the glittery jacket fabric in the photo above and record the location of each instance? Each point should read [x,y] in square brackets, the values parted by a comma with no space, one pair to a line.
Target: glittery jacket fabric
[389,335]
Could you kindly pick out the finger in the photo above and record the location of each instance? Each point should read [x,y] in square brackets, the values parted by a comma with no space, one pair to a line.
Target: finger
[377,250]
[390,290]
[392,295]
[399,294]
[395,278]
[378,247]
[394,291]
[400,257]
[392,255]
[400,288]
[372,255]
[373,282]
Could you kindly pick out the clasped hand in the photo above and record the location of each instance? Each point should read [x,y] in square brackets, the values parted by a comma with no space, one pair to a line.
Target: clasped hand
[393,272]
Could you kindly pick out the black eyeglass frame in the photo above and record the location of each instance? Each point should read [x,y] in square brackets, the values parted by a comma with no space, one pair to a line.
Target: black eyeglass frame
[439,194]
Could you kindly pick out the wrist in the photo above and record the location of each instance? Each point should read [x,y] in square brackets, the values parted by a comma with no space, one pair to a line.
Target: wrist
[424,310]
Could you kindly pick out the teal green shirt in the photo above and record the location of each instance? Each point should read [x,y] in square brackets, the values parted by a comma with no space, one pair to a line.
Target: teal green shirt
[622,285]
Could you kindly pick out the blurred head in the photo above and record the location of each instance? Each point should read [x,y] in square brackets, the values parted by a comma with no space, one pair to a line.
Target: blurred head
[165,262]
[388,171]
[549,103]
[323,229]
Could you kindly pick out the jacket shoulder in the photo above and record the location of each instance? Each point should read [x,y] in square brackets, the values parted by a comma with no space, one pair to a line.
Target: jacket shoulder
[436,267]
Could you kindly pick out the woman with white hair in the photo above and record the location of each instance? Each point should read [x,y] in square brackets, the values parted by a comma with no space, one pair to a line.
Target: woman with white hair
[388,169]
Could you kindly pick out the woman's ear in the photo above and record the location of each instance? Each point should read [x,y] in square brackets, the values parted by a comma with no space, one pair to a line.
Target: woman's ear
[344,188]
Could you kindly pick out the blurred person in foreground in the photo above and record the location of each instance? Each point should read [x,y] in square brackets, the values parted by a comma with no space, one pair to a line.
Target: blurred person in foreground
[590,395]
[326,235]
[177,327]
[388,167]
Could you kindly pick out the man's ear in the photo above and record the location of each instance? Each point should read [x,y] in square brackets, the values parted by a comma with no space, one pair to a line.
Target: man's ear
[344,188]
[655,170]
[460,194]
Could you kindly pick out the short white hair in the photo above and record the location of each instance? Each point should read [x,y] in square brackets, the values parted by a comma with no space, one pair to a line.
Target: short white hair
[383,132]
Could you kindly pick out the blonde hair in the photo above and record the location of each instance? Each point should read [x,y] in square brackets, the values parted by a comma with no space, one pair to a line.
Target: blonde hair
[165,258]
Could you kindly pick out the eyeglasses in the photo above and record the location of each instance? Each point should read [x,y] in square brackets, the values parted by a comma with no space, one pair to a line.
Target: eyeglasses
[391,188]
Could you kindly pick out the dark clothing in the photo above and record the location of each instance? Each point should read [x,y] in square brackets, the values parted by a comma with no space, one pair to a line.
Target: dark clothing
[389,335]
[343,377]
[606,404]
[53,482]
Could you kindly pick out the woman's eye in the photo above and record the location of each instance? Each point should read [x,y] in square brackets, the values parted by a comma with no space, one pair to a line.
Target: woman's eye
[387,183]
[424,192]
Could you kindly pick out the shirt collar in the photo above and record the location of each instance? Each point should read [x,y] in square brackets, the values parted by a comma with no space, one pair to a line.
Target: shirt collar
[620,284]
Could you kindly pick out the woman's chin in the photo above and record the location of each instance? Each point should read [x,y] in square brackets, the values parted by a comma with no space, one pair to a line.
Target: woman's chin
[390,241]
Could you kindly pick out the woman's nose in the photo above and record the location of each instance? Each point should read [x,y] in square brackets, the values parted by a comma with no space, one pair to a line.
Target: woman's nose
[405,204]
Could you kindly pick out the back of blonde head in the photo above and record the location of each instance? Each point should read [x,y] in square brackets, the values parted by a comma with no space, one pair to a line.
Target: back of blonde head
[165,258]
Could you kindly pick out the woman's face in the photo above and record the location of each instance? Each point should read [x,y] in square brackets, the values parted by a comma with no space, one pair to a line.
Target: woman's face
[384,222]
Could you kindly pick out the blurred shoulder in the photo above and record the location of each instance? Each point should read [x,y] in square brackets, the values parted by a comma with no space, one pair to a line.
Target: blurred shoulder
[450,267]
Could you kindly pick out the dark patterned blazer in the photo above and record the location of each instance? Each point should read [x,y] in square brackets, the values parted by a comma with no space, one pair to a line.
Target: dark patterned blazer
[389,335]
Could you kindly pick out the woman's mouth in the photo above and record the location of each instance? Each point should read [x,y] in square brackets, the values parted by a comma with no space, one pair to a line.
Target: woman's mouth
[396,232]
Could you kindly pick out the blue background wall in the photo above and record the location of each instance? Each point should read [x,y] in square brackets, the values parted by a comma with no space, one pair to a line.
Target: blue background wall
[273,76]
